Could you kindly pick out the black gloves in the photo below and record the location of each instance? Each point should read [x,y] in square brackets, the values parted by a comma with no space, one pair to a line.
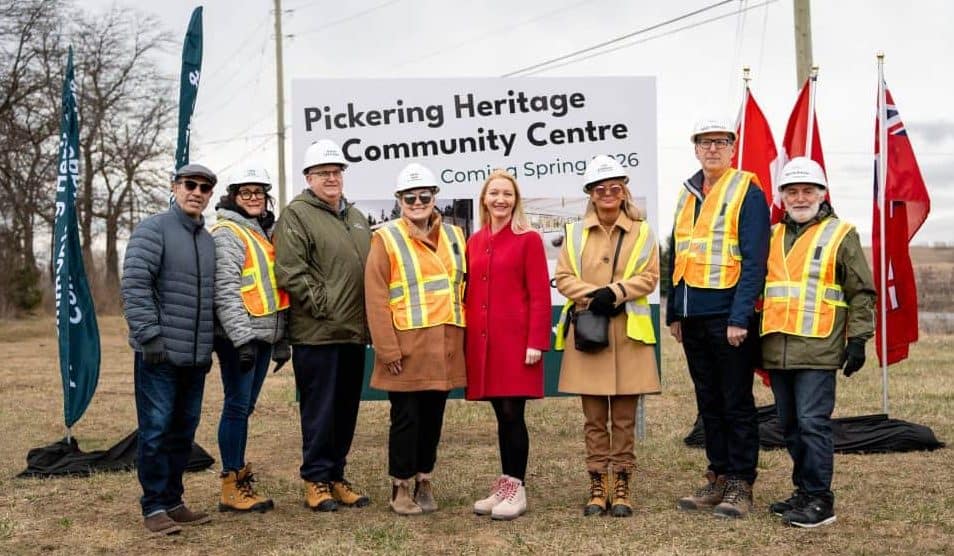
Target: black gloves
[603,301]
[281,353]
[154,351]
[247,353]
[854,355]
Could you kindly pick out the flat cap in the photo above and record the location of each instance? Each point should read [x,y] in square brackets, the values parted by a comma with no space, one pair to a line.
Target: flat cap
[194,169]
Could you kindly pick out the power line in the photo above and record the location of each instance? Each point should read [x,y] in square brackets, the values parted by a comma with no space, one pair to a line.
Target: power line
[344,19]
[245,154]
[620,38]
[241,47]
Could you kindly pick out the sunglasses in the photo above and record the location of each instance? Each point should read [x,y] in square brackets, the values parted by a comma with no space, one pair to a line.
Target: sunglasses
[603,190]
[205,187]
[411,198]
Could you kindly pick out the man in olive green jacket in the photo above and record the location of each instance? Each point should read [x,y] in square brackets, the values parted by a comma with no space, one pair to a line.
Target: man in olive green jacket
[321,245]
[818,314]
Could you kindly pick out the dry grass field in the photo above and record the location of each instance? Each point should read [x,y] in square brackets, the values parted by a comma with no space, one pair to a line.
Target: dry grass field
[894,503]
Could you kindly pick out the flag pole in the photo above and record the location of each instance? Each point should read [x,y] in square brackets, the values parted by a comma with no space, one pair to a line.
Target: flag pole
[882,264]
[745,103]
[812,81]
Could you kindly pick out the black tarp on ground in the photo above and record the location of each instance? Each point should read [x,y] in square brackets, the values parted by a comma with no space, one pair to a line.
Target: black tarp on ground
[62,458]
[864,434]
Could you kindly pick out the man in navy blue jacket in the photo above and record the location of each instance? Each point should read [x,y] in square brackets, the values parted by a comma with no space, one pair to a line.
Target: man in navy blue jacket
[718,254]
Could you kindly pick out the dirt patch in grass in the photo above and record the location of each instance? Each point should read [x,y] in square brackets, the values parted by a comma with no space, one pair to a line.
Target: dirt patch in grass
[899,503]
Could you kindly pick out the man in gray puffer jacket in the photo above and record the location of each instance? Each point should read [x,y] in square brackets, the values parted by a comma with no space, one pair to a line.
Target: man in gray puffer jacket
[167,288]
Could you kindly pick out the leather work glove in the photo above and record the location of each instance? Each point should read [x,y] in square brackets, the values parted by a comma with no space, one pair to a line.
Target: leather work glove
[281,353]
[603,301]
[154,351]
[247,354]
[854,356]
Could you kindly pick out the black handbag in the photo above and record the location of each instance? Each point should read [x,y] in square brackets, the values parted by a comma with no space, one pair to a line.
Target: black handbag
[590,330]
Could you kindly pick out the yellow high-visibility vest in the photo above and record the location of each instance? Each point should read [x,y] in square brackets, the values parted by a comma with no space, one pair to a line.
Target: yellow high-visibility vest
[707,249]
[426,287]
[801,293]
[639,322]
[260,292]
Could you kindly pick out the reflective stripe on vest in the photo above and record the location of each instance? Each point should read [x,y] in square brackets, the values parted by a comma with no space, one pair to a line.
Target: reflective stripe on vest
[707,247]
[801,295]
[427,287]
[260,292]
[639,324]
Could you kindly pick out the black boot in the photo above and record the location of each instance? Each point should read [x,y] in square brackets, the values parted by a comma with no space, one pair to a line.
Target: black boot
[817,511]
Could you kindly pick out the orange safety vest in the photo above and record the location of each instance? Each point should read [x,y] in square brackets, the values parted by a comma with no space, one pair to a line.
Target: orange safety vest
[801,294]
[259,290]
[427,287]
[707,247]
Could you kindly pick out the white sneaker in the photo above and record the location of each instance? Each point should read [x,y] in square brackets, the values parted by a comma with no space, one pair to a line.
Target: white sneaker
[485,506]
[514,503]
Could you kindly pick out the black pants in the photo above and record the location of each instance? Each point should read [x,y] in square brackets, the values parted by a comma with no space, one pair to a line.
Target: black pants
[329,380]
[722,376]
[512,436]
[416,421]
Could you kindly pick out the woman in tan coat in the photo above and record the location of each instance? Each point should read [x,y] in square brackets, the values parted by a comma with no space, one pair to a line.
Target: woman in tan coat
[414,287]
[609,265]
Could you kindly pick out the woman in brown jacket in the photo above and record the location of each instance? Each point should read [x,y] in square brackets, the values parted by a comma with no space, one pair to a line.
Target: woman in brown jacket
[608,266]
[414,286]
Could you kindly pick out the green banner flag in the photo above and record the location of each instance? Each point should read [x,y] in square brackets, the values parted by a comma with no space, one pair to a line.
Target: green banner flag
[189,84]
[75,316]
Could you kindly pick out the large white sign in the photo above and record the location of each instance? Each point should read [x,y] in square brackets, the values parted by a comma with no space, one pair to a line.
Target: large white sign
[543,130]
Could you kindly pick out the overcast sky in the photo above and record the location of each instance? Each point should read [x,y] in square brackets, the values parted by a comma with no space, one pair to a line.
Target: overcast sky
[698,70]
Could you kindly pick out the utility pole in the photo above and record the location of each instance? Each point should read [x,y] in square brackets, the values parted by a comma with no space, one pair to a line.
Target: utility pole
[803,41]
[280,102]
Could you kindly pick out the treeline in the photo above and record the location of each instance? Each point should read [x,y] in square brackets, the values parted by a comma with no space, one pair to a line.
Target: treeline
[127,111]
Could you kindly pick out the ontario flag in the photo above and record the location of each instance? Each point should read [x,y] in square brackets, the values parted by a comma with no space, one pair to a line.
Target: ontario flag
[757,152]
[795,142]
[904,205]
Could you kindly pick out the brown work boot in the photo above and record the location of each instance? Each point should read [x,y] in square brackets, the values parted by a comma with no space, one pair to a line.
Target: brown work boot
[347,496]
[401,502]
[707,496]
[238,495]
[161,524]
[599,494]
[622,507]
[182,515]
[737,501]
[424,493]
[318,497]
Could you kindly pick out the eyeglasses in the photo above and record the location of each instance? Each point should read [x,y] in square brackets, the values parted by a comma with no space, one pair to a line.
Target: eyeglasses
[604,190]
[707,144]
[411,198]
[204,186]
[247,195]
[325,174]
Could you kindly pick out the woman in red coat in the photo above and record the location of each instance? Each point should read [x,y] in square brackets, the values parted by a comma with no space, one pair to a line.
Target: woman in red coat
[508,328]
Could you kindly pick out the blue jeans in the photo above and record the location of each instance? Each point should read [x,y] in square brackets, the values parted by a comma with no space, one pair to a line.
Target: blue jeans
[241,392]
[804,400]
[168,407]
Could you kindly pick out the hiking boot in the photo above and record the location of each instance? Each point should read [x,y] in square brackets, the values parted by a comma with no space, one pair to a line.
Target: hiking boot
[184,516]
[424,493]
[599,495]
[622,507]
[346,495]
[238,494]
[514,503]
[161,524]
[318,497]
[815,512]
[795,501]
[707,496]
[485,506]
[737,501]
[401,502]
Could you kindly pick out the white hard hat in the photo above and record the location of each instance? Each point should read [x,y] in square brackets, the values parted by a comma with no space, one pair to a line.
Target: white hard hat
[250,173]
[413,176]
[601,168]
[802,169]
[712,125]
[323,151]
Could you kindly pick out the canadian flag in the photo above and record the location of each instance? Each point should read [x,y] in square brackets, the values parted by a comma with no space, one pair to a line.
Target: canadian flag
[756,151]
[796,141]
